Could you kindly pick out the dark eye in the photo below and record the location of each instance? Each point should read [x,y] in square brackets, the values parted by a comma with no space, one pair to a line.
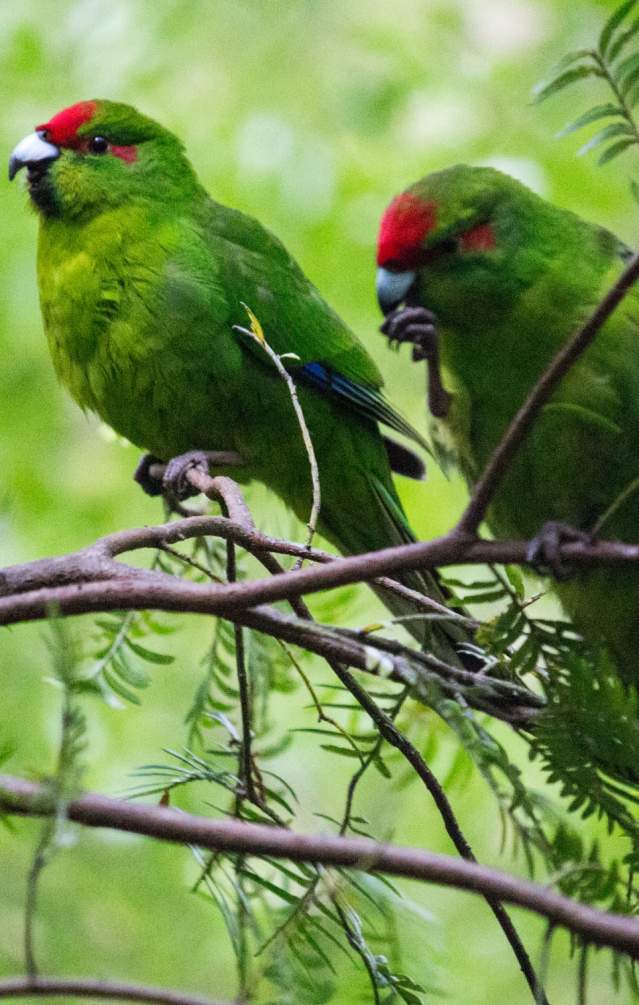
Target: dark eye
[98,145]
[449,244]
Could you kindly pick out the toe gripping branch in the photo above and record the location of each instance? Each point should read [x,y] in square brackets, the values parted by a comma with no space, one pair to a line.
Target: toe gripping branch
[173,483]
[544,551]
[418,326]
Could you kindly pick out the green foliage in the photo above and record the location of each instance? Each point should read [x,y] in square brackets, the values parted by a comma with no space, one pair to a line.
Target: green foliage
[610,62]
[268,906]
[66,779]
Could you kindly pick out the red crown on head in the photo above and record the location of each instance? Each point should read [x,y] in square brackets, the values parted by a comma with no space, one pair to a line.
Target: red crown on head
[62,129]
[404,226]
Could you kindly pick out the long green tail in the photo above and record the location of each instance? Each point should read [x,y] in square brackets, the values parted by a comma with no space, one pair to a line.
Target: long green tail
[380,522]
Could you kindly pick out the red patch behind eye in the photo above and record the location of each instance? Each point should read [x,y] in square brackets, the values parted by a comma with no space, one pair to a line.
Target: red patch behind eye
[480,238]
[128,154]
[404,226]
[62,129]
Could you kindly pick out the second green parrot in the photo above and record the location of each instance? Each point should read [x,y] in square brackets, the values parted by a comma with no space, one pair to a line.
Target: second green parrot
[509,277]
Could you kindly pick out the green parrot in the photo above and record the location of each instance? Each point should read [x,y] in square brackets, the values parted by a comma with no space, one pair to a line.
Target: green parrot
[142,278]
[508,278]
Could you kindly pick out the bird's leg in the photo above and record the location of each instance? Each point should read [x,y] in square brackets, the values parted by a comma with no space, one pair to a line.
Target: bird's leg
[173,483]
[544,551]
[418,326]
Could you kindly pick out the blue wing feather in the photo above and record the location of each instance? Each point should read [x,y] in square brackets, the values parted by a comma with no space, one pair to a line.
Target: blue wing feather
[365,400]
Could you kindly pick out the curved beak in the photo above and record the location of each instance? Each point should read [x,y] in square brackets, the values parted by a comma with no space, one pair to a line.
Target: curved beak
[392,288]
[32,150]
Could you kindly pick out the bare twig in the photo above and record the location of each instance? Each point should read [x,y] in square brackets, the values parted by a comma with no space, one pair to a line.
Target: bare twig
[246,756]
[80,987]
[366,763]
[233,836]
[502,457]
[255,332]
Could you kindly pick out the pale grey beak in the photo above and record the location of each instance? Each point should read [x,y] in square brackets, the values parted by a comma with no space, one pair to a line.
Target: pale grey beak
[33,149]
[392,288]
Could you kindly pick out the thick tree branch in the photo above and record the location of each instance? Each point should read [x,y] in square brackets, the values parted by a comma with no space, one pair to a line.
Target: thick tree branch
[80,987]
[502,457]
[233,836]
[25,590]
[95,580]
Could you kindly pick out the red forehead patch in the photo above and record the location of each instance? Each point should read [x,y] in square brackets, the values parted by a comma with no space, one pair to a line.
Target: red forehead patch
[62,129]
[404,226]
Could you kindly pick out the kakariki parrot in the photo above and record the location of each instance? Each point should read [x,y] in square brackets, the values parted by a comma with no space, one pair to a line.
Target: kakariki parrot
[507,277]
[142,278]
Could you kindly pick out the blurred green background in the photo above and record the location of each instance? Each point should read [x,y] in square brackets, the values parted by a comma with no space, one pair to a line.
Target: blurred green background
[309,115]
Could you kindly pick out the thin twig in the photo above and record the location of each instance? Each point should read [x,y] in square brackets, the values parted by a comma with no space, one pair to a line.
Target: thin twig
[80,987]
[255,332]
[502,456]
[387,730]
[191,562]
[236,836]
[356,945]
[246,756]
[38,863]
[321,714]
[582,975]
[368,760]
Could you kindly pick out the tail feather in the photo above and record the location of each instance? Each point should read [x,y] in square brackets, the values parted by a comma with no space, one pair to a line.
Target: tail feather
[444,638]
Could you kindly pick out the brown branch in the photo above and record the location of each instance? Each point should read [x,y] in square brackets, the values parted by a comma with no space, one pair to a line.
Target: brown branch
[233,836]
[86,587]
[246,754]
[520,426]
[80,987]
[75,581]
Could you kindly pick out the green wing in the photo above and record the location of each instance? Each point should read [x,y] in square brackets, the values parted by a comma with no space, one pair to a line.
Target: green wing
[295,318]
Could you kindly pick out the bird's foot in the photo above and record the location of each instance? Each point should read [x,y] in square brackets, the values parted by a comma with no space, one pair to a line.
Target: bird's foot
[544,551]
[173,483]
[410,324]
[419,327]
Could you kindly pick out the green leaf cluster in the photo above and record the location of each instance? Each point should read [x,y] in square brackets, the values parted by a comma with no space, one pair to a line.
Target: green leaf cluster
[612,62]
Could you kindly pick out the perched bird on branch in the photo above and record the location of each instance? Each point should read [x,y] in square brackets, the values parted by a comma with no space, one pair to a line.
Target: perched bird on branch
[478,271]
[142,279]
